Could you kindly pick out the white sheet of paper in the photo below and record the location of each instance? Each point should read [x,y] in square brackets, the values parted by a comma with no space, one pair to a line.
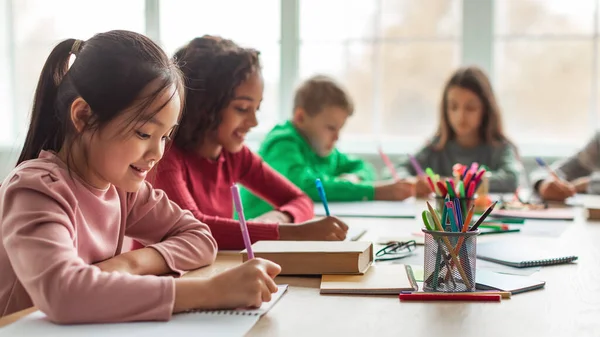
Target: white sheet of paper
[380,209]
[217,323]
[355,233]
[545,228]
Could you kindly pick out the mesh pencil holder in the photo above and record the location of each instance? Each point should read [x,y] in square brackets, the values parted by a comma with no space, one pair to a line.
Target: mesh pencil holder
[450,261]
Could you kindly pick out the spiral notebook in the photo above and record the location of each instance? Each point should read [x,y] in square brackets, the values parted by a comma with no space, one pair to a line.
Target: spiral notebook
[194,323]
[522,255]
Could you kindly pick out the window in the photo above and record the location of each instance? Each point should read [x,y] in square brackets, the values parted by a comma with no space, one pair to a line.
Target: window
[36,27]
[392,55]
[546,69]
[6,102]
[245,22]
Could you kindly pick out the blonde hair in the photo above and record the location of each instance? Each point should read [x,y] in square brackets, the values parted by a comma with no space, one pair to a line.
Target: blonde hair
[319,92]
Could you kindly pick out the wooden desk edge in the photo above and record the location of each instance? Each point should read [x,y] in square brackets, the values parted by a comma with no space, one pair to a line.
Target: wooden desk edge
[6,320]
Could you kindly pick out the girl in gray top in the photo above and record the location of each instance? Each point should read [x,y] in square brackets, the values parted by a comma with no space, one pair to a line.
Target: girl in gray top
[470,130]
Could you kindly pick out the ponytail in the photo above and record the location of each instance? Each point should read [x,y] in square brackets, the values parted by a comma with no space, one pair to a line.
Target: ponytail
[46,129]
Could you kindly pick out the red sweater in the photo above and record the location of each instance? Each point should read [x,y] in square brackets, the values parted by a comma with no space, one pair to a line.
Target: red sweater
[203,187]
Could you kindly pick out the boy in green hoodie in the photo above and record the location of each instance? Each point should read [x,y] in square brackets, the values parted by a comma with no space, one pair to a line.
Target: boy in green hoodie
[303,149]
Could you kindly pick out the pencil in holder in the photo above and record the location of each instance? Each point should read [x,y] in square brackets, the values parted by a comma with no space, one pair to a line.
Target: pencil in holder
[465,204]
[450,261]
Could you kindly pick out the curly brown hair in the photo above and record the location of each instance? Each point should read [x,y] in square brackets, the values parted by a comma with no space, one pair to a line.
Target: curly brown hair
[213,68]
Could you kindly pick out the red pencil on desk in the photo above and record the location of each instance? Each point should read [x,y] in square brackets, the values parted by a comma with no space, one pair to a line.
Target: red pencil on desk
[450,297]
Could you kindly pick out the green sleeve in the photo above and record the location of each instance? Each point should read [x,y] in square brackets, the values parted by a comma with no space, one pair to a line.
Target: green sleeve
[286,158]
[349,165]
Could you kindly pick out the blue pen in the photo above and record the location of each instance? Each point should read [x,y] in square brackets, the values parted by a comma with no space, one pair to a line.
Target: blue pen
[458,209]
[321,192]
[542,164]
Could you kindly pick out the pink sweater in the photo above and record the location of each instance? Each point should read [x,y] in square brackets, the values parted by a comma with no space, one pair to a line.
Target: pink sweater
[54,226]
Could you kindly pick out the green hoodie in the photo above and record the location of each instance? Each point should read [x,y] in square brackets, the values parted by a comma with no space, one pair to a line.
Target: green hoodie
[290,154]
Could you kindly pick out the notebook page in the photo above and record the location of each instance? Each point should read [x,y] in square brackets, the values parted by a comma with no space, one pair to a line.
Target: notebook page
[180,325]
[355,233]
[386,209]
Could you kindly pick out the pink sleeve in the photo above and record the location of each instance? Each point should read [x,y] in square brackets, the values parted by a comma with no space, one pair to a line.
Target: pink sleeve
[270,185]
[225,230]
[184,242]
[40,237]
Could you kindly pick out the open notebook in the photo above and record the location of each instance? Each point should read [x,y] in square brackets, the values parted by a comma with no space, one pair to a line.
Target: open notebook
[355,233]
[371,209]
[196,323]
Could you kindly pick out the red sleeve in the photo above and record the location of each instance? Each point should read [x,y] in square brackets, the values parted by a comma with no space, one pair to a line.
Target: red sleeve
[171,179]
[270,185]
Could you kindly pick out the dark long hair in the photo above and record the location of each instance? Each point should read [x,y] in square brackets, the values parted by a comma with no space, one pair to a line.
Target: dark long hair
[475,80]
[109,72]
[213,68]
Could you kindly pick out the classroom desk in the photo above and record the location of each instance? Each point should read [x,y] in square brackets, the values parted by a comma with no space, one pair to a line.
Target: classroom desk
[568,306]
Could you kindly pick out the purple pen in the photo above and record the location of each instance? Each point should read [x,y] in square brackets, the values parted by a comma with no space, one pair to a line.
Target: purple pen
[416,165]
[237,201]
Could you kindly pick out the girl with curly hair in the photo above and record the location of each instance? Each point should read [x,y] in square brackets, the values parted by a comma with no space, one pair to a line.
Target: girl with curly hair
[224,90]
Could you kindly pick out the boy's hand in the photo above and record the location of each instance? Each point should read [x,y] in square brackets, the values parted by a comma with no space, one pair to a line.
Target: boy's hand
[351,177]
[328,228]
[423,190]
[397,190]
[556,190]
